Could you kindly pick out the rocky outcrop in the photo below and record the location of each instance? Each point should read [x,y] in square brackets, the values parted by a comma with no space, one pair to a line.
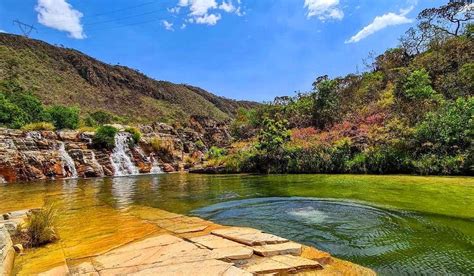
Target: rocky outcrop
[35,155]
[8,225]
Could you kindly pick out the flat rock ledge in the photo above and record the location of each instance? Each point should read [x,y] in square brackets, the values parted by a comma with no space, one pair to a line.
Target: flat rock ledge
[193,246]
[8,224]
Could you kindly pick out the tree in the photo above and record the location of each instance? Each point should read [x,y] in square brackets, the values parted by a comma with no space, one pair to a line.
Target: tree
[10,114]
[272,135]
[325,102]
[64,117]
[437,24]
[418,86]
[450,19]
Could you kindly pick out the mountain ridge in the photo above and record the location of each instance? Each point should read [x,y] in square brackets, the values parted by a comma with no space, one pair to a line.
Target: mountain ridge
[67,76]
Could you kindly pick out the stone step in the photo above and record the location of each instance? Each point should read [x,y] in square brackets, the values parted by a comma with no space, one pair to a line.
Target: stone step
[282,264]
[287,248]
[248,236]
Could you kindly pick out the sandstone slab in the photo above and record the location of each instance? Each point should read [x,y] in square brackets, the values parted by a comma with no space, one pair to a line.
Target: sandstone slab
[167,251]
[214,242]
[248,236]
[297,263]
[287,248]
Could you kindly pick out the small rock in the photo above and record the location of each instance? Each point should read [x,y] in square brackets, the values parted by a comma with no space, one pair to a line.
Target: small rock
[168,168]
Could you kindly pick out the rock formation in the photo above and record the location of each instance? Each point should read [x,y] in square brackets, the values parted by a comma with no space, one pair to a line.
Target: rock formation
[35,155]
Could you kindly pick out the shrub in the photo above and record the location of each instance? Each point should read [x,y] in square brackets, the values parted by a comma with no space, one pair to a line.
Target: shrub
[418,85]
[105,137]
[99,118]
[10,114]
[200,145]
[40,227]
[216,152]
[136,134]
[163,146]
[450,128]
[64,117]
[38,126]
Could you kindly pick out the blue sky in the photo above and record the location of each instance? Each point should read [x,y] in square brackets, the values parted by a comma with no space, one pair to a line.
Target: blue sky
[242,49]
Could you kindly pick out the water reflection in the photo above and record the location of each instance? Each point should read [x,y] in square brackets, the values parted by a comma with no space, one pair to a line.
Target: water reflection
[123,189]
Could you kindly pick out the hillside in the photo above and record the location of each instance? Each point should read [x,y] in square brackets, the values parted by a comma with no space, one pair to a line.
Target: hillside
[64,76]
[412,111]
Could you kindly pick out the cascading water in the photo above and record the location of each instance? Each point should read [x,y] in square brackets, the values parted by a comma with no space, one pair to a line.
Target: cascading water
[155,168]
[120,157]
[69,168]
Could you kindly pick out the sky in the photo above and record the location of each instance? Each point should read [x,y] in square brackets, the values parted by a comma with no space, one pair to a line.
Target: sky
[241,49]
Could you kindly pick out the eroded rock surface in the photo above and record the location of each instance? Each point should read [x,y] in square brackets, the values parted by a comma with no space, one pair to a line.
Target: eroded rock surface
[35,155]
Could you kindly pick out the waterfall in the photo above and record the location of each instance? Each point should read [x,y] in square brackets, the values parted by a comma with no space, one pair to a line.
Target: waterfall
[69,168]
[155,168]
[120,157]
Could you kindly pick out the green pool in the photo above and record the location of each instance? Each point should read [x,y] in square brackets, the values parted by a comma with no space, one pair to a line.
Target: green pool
[393,224]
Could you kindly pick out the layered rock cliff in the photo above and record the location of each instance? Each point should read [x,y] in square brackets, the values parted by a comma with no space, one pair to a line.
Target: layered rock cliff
[35,155]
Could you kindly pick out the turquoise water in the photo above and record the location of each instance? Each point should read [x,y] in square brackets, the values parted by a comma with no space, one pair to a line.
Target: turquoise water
[393,224]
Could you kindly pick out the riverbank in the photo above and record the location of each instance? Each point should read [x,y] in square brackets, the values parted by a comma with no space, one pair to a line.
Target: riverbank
[178,245]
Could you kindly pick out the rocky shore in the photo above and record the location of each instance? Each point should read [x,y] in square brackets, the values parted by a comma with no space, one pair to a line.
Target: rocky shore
[181,245]
[35,155]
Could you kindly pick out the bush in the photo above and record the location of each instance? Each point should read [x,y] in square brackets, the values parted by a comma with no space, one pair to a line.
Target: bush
[99,118]
[38,126]
[136,134]
[163,146]
[450,128]
[10,114]
[216,152]
[64,117]
[40,227]
[31,109]
[105,137]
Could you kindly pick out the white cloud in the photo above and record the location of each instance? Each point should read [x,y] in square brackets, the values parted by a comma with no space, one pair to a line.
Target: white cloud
[209,19]
[167,25]
[205,11]
[382,22]
[60,15]
[324,9]
[227,6]
[2,31]
[198,7]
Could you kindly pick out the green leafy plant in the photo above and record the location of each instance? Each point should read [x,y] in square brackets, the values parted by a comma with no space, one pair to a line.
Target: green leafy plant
[136,134]
[64,117]
[105,137]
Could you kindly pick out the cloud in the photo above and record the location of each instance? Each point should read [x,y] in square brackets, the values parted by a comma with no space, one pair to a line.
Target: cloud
[380,23]
[2,31]
[167,25]
[206,11]
[324,9]
[60,15]
[209,19]
[227,6]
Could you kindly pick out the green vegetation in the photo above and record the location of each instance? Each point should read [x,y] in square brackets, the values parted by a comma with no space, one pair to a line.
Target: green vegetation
[59,76]
[64,117]
[412,112]
[38,126]
[105,137]
[40,227]
[136,134]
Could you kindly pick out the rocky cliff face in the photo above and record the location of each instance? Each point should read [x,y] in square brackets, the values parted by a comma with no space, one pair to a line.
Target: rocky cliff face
[35,155]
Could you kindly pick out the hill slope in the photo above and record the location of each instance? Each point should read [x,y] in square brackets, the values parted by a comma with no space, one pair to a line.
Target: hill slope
[66,76]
